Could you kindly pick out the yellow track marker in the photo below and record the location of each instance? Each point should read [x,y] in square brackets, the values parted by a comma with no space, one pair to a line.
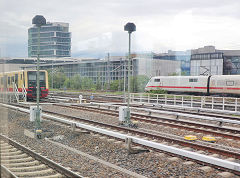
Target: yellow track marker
[190,137]
[209,139]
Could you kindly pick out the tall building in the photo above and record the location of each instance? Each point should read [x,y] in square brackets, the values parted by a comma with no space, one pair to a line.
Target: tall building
[55,40]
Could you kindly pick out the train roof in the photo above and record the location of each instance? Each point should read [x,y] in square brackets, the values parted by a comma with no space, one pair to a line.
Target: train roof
[19,71]
[180,77]
[222,76]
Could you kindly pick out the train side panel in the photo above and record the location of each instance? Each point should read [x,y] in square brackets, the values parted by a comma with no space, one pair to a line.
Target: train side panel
[225,84]
[20,79]
[1,82]
[44,90]
[190,84]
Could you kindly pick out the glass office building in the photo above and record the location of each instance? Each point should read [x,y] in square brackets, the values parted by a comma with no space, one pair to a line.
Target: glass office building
[55,40]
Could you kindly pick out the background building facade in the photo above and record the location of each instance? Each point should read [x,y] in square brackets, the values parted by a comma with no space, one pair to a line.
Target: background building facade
[55,40]
[182,56]
[211,61]
[113,68]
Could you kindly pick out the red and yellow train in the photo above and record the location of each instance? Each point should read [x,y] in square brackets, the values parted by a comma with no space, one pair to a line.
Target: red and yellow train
[25,79]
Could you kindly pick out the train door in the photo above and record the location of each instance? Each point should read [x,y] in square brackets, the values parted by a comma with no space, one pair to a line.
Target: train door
[1,83]
[16,79]
[20,80]
[157,82]
[12,82]
[8,83]
[25,79]
[46,78]
[5,83]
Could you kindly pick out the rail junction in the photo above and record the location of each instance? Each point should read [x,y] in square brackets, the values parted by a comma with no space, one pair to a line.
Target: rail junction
[152,117]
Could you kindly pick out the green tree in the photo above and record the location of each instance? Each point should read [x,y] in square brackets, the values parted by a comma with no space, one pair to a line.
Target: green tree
[98,83]
[56,77]
[76,82]
[87,83]
[114,85]
[138,83]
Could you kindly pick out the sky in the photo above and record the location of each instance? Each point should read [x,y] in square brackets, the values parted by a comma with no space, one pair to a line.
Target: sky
[97,26]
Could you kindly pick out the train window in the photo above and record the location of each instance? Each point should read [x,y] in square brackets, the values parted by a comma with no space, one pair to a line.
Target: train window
[12,79]
[21,76]
[229,83]
[42,76]
[193,80]
[32,76]
[157,80]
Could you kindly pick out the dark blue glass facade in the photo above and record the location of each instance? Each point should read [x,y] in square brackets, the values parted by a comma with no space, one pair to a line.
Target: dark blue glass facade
[55,40]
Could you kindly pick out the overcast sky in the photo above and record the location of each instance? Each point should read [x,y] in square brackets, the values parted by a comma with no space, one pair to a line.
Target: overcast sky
[97,25]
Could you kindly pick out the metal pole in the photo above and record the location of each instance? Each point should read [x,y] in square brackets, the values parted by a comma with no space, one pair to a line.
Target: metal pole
[108,69]
[52,73]
[38,20]
[38,124]
[124,81]
[128,101]
[119,77]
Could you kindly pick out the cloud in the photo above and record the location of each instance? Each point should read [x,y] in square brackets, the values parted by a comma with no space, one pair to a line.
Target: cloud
[97,26]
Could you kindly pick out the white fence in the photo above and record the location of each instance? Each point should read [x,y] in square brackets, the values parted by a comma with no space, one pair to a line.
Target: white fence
[13,96]
[201,102]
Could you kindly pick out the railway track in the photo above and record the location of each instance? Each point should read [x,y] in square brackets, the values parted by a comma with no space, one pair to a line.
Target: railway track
[19,161]
[225,132]
[196,145]
[157,137]
[190,111]
[151,135]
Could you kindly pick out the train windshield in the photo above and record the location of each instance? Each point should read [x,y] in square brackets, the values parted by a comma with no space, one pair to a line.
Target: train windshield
[32,79]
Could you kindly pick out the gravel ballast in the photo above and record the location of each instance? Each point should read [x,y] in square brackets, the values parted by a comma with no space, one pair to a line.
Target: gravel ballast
[149,164]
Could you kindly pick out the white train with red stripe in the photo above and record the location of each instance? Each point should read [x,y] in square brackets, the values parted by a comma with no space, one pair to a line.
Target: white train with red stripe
[209,85]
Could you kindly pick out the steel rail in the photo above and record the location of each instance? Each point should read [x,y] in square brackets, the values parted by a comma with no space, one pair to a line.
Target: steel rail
[152,135]
[7,173]
[157,120]
[220,163]
[44,160]
[184,115]
[187,110]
